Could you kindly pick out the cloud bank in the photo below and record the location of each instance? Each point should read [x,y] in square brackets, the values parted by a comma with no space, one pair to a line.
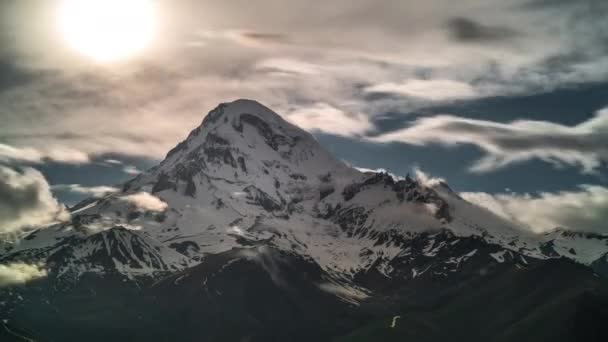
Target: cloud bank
[583,210]
[20,273]
[26,201]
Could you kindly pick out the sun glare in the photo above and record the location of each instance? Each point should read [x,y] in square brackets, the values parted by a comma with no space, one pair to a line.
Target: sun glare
[107,30]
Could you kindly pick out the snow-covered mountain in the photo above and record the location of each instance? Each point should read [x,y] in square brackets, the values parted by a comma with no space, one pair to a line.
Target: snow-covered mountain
[246,176]
[248,188]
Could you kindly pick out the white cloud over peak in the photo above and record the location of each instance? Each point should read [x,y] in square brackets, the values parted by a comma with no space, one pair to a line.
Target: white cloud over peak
[426,179]
[145,201]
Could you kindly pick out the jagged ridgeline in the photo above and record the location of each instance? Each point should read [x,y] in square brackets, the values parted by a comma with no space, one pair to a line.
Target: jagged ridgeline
[257,233]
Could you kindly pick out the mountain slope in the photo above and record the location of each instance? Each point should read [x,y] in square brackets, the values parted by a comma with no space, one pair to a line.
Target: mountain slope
[553,300]
[246,175]
[250,211]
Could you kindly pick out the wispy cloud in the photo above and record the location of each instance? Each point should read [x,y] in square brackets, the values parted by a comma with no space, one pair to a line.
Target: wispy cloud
[585,209]
[242,37]
[288,66]
[328,119]
[131,170]
[584,145]
[113,162]
[11,154]
[434,90]
[95,191]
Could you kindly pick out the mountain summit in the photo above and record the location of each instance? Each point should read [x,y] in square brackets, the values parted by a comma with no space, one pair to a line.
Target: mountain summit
[251,218]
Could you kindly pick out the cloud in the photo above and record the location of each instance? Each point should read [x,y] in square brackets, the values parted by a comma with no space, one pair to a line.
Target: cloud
[328,119]
[434,90]
[426,179]
[95,191]
[262,37]
[288,66]
[584,145]
[26,201]
[585,209]
[11,154]
[113,162]
[468,30]
[545,4]
[145,201]
[128,169]
[368,170]
[235,230]
[64,108]
[380,170]
[348,293]
[131,170]
[20,273]
[241,37]
[12,74]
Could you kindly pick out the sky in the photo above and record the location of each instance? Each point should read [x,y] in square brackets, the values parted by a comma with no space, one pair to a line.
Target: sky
[505,100]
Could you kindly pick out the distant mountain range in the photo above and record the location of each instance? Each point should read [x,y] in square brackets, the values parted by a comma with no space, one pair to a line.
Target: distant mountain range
[250,231]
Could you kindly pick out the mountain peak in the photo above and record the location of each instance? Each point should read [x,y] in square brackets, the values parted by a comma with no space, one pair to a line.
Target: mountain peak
[251,106]
[230,123]
[229,111]
[245,128]
[243,142]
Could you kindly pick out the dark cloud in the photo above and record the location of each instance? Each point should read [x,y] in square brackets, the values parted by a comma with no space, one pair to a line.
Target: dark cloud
[12,75]
[468,30]
[265,37]
[16,198]
[566,62]
[544,4]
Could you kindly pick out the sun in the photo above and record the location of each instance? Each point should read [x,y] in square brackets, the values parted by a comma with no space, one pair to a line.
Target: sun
[107,30]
